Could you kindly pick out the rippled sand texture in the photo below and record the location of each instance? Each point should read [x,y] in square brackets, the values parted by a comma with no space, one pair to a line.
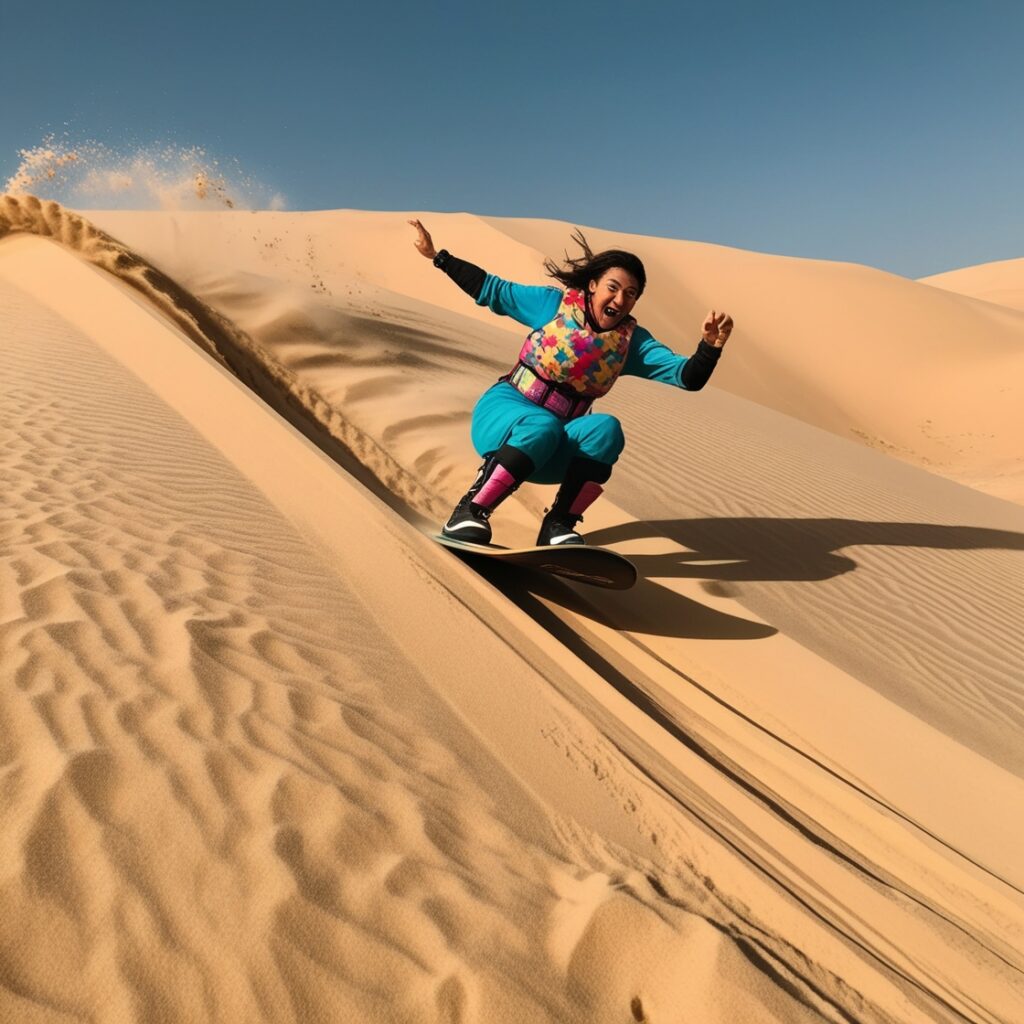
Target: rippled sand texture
[271,754]
[229,794]
[216,806]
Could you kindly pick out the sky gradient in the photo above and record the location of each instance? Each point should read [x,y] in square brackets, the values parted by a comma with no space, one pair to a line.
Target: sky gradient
[881,133]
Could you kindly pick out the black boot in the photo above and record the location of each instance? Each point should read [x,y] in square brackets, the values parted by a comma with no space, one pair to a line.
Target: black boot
[581,487]
[500,474]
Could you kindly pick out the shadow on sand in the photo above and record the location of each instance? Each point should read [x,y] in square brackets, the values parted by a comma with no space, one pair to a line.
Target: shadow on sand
[728,550]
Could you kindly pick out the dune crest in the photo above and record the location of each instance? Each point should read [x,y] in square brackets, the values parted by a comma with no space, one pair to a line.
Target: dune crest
[218,336]
[1001,282]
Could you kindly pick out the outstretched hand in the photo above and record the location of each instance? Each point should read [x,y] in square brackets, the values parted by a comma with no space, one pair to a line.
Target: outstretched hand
[717,328]
[423,243]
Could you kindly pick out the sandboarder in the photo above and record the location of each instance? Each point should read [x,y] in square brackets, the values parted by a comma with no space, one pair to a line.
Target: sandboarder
[535,423]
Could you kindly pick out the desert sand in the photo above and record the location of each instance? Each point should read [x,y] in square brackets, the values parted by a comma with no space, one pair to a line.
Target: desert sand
[1001,283]
[268,753]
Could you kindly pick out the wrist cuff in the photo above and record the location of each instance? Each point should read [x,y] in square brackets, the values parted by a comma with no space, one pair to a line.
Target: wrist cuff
[441,259]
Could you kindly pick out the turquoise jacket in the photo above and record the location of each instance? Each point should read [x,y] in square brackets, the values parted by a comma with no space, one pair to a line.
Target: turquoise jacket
[534,306]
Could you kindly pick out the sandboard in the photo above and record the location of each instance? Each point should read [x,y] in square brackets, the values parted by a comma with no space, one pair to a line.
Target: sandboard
[581,562]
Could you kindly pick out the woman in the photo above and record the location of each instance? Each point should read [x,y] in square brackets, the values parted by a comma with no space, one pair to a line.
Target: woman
[532,425]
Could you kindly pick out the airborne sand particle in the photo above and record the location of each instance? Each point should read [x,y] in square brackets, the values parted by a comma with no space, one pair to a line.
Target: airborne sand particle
[165,176]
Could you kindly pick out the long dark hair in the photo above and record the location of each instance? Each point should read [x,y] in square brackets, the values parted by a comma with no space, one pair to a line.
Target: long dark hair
[576,273]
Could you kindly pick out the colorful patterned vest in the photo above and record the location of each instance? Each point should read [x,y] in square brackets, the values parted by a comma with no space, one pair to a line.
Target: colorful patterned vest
[569,355]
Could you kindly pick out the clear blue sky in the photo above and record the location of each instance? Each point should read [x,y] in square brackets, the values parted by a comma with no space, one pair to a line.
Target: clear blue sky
[883,133]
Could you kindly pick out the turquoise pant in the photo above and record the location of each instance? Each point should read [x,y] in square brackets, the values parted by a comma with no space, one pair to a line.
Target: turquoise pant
[503,415]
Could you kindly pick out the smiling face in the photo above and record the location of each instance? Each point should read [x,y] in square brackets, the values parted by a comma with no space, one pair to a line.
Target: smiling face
[611,297]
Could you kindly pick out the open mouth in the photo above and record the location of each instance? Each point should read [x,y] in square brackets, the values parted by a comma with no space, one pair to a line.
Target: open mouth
[611,312]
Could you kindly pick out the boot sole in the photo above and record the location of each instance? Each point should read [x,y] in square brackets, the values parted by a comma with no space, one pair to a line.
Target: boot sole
[469,535]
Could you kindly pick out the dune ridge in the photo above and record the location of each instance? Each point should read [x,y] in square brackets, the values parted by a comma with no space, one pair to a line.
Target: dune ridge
[297,402]
[1001,283]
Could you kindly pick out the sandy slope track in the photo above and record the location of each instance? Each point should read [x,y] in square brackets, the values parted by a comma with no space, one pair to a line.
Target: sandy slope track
[251,767]
[709,765]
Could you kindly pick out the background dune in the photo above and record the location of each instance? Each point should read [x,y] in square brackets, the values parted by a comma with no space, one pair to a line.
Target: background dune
[924,375]
[272,754]
[1001,282]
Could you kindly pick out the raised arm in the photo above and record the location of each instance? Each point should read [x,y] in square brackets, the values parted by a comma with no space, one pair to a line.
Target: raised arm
[653,360]
[532,305]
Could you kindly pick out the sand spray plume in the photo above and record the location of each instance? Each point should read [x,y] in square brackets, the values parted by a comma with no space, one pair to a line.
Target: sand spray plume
[302,406]
[157,177]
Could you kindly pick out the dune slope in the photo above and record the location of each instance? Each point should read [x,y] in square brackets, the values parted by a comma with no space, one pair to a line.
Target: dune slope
[919,373]
[236,787]
[761,786]
[1001,282]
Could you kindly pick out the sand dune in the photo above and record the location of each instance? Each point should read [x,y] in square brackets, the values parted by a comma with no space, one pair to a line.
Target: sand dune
[1001,283]
[921,374]
[237,794]
[270,754]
